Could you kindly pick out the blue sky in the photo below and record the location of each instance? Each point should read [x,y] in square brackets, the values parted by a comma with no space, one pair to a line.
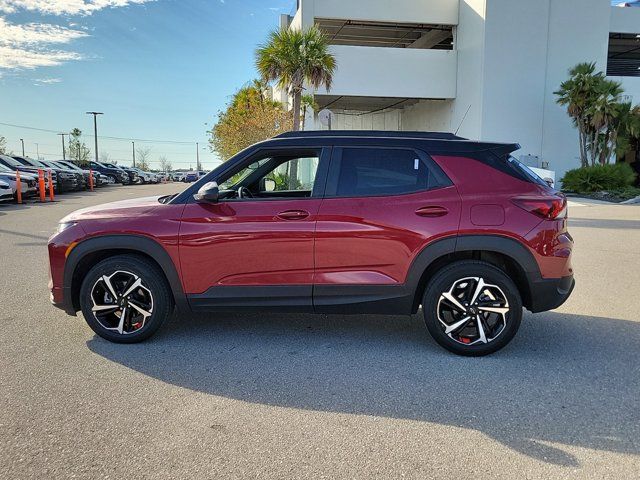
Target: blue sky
[159,69]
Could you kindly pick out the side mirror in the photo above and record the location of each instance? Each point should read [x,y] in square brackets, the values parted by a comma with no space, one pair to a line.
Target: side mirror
[208,193]
[267,185]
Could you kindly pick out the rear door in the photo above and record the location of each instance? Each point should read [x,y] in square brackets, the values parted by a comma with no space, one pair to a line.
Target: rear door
[382,206]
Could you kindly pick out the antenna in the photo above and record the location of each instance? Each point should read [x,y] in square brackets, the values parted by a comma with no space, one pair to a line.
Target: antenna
[463,119]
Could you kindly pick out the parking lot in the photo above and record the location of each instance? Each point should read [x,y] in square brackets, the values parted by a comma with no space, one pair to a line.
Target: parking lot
[296,396]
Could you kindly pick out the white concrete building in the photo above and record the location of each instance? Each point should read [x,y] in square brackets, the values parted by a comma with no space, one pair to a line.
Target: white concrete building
[487,68]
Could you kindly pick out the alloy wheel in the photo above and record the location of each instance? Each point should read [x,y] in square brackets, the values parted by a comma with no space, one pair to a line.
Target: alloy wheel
[473,311]
[121,302]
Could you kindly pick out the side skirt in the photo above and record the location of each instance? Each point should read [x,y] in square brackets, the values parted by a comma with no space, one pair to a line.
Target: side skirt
[336,299]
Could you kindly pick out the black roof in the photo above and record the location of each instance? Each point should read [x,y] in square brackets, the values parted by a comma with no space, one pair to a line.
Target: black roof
[434,142]
[370,133]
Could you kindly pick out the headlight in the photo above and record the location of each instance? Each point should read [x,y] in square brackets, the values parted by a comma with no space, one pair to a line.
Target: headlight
[64,226]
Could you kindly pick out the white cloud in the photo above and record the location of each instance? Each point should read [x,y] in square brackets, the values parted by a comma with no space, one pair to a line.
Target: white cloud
[47,81]
[36,33]
[14,58]
[65,7]
[27,46]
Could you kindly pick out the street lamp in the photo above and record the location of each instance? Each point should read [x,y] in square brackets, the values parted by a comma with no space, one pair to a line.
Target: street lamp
[95,128]
[22,140]
[64,157]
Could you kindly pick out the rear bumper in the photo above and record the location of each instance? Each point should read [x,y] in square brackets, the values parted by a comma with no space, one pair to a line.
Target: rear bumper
[550,293]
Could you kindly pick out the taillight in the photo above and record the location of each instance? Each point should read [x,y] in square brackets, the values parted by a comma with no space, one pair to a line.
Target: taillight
[547,207]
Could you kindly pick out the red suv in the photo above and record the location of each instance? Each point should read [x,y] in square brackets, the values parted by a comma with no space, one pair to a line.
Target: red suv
[329,222]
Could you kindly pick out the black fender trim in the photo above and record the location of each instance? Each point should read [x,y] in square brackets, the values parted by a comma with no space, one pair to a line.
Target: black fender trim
[135,243]
[505,245]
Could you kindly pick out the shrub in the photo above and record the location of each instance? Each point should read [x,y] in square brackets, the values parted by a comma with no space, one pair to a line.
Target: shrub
[598,178]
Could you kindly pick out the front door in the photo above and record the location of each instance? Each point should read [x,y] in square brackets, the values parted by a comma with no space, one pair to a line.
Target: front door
[255,246]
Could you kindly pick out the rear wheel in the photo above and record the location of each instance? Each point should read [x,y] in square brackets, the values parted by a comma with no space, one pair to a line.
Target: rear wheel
[472,308]
[125,299]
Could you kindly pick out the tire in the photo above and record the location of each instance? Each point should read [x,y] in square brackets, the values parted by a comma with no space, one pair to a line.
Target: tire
[124,270]
[113,177]
[459,281]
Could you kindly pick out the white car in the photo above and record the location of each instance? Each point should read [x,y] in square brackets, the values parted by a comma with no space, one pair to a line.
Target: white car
[6,192]
[178,176]
[143,177]
[29,183]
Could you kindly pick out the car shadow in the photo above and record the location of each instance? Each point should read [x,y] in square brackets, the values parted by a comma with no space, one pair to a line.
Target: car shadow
[565,380]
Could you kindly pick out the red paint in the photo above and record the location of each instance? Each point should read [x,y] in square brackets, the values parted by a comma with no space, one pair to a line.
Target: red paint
[248,243]
[375,239]
[370,240]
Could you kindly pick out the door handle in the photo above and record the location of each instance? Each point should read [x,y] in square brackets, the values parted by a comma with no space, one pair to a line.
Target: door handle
[432,211]
[293,215]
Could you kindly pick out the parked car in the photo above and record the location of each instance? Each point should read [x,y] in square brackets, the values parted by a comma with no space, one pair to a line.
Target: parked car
[326,222]
[98,178]
[14,165]
[115,175]
[80,179]
[28,183]
[63,180]
[144,177]
[132,173]
[6,192]
[178,176]
[191,177]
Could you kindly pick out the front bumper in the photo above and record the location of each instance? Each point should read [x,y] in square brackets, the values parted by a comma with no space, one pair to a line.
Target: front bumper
[67,184]
[550,293]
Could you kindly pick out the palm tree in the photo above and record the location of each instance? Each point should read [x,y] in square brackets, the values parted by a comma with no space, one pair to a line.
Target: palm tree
[577,94]
[604,112]
[295,57]
[308,103]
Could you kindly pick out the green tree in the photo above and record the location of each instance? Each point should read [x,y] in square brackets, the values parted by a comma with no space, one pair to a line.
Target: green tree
[594,104]
[78,151]
[249,117]
[292,58]
[308,102]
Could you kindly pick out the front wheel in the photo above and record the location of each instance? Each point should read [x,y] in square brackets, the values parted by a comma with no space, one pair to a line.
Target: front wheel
[125,299]
[472,308]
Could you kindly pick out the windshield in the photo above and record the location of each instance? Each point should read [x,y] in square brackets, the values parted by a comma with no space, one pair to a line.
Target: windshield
[70,165]
[34,162]
[111,165]
[14,163]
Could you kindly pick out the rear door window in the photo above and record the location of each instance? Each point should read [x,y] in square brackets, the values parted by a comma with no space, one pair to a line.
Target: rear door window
[364,172]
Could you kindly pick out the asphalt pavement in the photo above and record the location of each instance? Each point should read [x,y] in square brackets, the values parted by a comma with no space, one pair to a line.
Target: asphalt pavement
[303,396]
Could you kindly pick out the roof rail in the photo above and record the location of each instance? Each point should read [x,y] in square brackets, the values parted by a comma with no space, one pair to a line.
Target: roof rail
[370,133]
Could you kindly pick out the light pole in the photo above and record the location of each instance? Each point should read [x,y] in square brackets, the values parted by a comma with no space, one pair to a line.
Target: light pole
[64,155]
[198,157]
[22,140]
[133,149]
[37,152]
[95,128]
